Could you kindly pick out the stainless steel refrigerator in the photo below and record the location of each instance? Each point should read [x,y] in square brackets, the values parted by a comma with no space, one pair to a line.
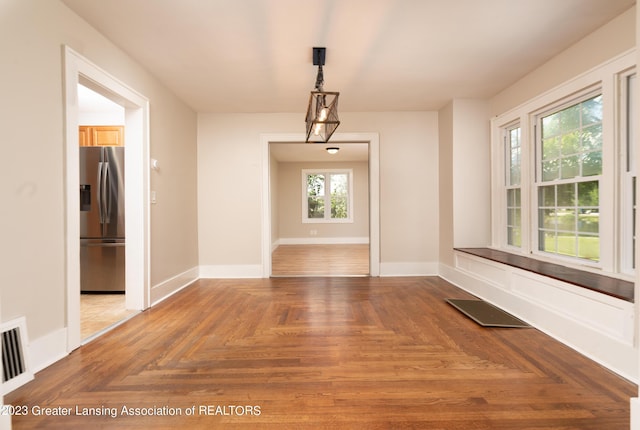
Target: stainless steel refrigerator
[102,233]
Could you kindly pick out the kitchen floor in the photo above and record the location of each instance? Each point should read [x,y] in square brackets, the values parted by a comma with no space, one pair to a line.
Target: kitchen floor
[99,312]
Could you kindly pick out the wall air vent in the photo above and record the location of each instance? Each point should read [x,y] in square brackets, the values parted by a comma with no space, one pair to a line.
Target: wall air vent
[15,363]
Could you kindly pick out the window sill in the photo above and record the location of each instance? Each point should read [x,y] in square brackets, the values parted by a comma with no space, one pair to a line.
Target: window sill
[613,287]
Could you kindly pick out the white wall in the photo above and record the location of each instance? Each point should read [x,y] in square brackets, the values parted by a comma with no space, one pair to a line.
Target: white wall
[230,217]
[610,40]
[445,184]
[465,177]
[32,34]
[471,174]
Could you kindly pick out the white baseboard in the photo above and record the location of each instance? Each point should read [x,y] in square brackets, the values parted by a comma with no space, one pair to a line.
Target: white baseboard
[635,413]
[5,421]
[409,269]
[48,349]
[173,285]
[321,241]
[234,271]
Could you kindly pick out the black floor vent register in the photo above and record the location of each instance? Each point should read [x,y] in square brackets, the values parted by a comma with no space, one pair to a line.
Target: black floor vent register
[486,314]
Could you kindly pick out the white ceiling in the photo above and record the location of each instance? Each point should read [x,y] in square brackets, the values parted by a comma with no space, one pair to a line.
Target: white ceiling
[382,55]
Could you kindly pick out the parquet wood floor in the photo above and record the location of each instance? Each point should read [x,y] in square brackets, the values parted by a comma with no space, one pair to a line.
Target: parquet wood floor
[321,260]
[328,353]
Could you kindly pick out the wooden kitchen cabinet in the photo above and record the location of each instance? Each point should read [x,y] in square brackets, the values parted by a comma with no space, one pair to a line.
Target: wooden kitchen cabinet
[101,135]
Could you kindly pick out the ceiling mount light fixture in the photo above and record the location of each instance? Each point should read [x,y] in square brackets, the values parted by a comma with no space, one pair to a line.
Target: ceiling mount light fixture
[332,150]
[322,112]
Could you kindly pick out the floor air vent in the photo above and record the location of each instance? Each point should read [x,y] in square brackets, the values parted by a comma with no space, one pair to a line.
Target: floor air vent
[15,363]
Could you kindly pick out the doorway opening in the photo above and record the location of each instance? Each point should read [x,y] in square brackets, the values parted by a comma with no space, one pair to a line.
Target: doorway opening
[321,209]
[80,71]
[293,246]
[102,214]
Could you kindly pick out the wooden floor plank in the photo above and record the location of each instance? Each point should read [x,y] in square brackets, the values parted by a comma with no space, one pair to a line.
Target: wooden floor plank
[352,352]
[321,260]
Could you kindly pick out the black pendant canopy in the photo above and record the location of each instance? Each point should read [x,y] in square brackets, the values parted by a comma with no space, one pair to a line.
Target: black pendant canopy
[322,112]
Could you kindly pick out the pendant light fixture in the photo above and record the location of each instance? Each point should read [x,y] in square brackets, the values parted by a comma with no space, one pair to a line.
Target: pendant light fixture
[322,112]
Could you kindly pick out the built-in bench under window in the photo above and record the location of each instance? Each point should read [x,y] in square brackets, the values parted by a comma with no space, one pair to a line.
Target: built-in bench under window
[614,287]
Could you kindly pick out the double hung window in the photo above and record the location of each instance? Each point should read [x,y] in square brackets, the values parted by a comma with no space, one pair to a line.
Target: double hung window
[567,177]
[569,171]
[513,179]
[327,196]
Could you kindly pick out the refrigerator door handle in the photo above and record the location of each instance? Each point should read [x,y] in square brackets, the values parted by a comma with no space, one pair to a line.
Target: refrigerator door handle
[107,194]
[99,193]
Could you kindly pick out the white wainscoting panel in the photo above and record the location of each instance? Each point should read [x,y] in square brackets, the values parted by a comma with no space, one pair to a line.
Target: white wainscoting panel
[598,326]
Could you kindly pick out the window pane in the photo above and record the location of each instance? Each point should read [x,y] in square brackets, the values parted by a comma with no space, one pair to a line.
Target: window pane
[550,170]
[591,137]
[566,244]
[550,148]
[570,118]
[570,167]
[338,207]
[588,194]
[589,247]
[315,185]
[513,197]
[339,186]
[592,163]
[315,207]
[513,236]
[548,219]
[592,110]
[570,143]
[551,125]
[566,195]
[513,216]
[315,196]
[547,196]
[566,220]
[547,241]
[514,152]
[588,221]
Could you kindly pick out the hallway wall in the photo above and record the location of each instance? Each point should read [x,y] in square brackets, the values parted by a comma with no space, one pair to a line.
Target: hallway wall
[32,34]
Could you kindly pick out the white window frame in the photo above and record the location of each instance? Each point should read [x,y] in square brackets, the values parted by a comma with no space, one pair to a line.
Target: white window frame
[627,168]
[604,78]
[537,181]
[327,219]
[507,180]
